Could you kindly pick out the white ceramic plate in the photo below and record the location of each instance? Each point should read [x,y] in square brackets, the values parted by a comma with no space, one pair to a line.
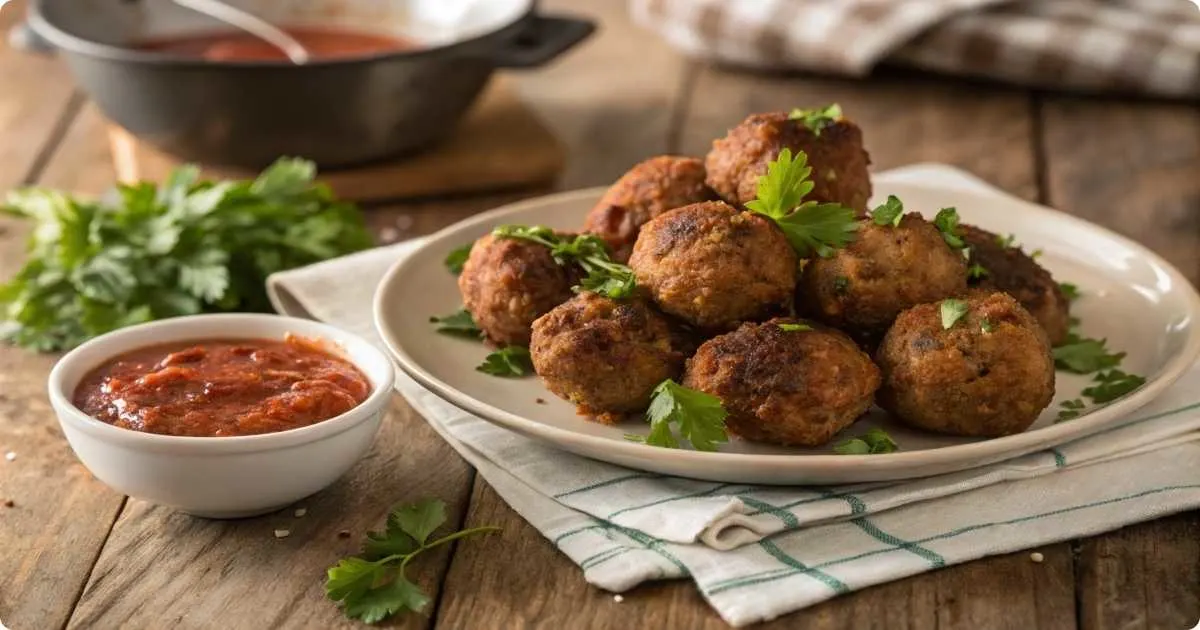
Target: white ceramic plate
[1136,300]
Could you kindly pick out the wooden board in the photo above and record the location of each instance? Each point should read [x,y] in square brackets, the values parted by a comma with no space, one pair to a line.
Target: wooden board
[500,145]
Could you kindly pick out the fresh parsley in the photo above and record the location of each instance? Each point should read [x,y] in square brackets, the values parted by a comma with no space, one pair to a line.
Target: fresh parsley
[810,227]
[794,327]
[507,361]
[873,442]
[608,278]
[1082,355]
[1112,385]
[817,119]
[700,418]
[890,212]
[952,311]
[457,258]
[1069,291]
[1006,241]
[986,325]
[373,585]
[1071,409]
[185,247]
[976,272]
[1035,254]
[458,323]
[946,222]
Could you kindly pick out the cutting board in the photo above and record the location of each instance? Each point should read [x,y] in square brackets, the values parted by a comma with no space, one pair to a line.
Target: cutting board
[500,144]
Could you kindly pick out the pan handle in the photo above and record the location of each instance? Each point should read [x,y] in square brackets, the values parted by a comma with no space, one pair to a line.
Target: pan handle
[543,38]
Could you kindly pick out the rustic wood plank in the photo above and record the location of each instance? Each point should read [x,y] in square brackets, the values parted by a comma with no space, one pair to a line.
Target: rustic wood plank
[1132,167]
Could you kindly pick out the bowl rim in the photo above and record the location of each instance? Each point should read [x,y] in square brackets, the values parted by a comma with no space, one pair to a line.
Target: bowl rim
[127,339]
[71,42]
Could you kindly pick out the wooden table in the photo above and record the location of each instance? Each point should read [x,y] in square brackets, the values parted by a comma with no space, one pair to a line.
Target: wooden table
[75,554]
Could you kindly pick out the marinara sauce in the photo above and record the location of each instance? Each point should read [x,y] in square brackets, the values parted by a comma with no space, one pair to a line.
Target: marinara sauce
[219,388]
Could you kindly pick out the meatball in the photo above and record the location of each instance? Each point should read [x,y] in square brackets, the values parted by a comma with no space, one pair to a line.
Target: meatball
[836,155]
[886,269]
[792,387]
[989,374]
[507,283]
[713,266]
[644,192]
[1014,272]
[605,356]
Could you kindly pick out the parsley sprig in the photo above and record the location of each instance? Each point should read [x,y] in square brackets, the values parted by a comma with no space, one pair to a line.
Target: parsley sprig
[1112,385]
[874,442]
[610,279]
[890,212]
[700,418]
[817,119]
[1082,355]
[1069,291]
[457,258]
[952,310]
[458,323]
[810,227]
[509,361]
[1071,409]
[946,222]
[373,585]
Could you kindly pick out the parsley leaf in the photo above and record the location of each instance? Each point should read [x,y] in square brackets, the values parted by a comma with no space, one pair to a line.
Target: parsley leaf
[457,258]
[889,212]
[459,323]
[1069,291]
[976,272]
[810,227]
[610,279]
[986,325]
[185,247]
[1082,355]
[1071,409]
[794,327]
[1006,241]
[699,416]
[1112,385]
[946,222]
[374,586]
[952,311]
[817,119]
[873,442]
[508,361]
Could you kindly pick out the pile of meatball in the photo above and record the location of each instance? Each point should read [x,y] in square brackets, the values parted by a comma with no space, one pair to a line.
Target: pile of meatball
[795,349]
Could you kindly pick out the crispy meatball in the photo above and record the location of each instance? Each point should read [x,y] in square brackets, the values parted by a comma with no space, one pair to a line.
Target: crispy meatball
[795,387]
[1012,271]
[644,192]
[507,283]
[836,155]
[605,356]
[885,270]
[714,267]
[990,374]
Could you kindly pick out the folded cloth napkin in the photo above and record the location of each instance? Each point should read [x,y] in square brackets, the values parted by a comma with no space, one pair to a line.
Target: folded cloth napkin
[1130,46]
[756,552]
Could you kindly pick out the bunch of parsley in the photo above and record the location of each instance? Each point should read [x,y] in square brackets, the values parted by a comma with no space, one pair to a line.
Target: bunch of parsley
[186,247]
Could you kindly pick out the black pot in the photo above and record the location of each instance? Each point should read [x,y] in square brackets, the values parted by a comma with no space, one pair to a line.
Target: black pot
[335,112]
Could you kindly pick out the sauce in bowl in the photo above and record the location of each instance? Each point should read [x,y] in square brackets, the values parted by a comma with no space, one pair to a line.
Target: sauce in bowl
[220,388]
[321,43]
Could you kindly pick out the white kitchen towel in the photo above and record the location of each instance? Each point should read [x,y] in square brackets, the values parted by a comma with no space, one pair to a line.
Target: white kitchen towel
[756,552]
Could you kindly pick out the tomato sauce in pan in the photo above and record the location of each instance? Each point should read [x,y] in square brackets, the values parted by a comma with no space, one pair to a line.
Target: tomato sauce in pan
[219,388]
[321,43]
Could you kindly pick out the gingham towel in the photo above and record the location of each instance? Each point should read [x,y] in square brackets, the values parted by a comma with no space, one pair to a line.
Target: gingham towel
[757,552]
[1128,46]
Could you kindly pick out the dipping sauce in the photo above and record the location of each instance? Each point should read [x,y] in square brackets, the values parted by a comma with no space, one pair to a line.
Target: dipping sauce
[321,43]
[219,388]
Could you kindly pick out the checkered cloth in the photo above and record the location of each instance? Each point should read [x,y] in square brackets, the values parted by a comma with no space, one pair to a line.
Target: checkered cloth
[757,552]
[1127,46]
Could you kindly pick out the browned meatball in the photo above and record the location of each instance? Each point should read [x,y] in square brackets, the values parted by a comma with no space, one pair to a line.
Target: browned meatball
[1008,269]
[836,155]
[645,191]
[507,283]
[714,267]
[885,270]
[990,374]
[603,355]
[793,387]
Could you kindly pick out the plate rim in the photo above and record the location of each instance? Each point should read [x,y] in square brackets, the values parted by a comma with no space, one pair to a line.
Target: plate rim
[984,451]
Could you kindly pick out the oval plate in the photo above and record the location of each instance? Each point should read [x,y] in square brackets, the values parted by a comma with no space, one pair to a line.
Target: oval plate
[1131,296]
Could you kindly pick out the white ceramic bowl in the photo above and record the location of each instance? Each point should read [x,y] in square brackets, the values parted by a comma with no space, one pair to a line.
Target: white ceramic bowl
[221,477]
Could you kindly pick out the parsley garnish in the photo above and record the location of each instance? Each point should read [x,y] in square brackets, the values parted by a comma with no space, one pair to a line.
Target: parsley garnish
[1082,355]
[810,227]
[976,272]
[1006,241]
[817,119]
[373,586]
[610,279]
[699,416]
[182,248]
[952,311]
[873,442]
[1071,409]
[946,222]
[1069,291]
[986,325]
[507,361]
[889,212]
[1112,385]
[458,323]
[457,258]
[794,327]
[1035,254]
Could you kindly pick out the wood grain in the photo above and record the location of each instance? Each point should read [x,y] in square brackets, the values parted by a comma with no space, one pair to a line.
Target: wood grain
[1133,167]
